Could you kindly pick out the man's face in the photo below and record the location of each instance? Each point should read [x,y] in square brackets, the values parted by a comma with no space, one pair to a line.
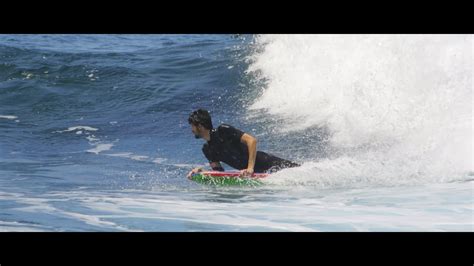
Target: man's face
[196,131]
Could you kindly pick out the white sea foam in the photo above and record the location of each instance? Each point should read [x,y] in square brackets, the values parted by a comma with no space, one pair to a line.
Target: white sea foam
[92,138]
[397,107]
[10,117]
[129,155]
[101,147]
[380,209]
[159,160]
[86,128]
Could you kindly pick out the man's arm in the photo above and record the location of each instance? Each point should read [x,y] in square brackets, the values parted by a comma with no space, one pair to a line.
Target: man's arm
[251,143]
[216,166]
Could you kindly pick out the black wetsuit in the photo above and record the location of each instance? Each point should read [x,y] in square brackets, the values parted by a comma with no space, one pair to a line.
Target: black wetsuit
[225,146]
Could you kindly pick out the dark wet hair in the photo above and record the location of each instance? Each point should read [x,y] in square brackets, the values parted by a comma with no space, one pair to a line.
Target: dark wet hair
[201,117]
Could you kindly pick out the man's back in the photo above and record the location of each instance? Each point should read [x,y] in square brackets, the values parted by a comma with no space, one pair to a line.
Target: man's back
[226,146]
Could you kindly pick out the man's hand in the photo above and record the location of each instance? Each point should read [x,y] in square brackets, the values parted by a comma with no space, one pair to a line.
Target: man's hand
[194,171]
[246,172]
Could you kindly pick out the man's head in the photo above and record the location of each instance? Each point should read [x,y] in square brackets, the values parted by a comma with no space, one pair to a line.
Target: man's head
[200,122]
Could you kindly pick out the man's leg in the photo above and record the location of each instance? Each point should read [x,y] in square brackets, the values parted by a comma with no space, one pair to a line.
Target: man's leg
[269,162]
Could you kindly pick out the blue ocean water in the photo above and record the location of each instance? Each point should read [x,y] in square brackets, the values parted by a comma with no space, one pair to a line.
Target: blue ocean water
[94,132]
